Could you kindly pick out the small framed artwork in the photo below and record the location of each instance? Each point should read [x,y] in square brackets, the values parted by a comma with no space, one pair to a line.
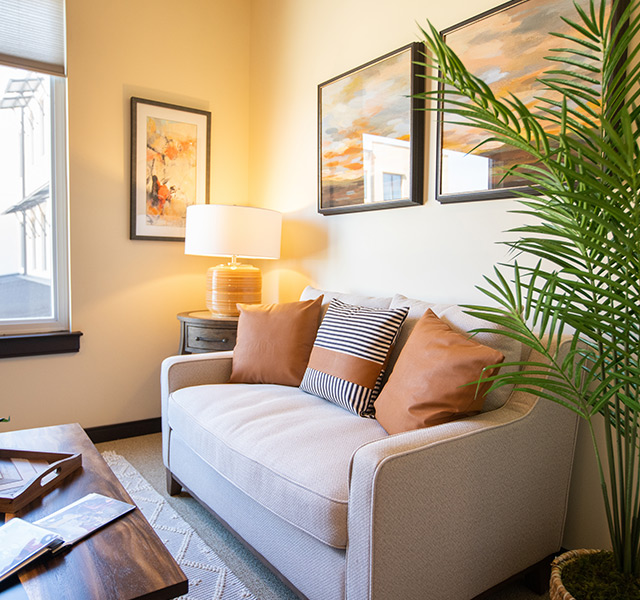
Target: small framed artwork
[505,47]
[170,150]
[371,135]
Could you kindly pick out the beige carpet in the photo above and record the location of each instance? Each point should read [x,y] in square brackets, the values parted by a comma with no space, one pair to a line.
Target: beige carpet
[145,454]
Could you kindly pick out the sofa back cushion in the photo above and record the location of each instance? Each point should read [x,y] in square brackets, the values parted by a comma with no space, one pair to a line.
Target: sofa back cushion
[310,293]
[452,314]
[430,381]
[275,341]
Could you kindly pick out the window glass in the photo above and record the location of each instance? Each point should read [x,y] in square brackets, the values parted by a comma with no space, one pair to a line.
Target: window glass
[393,183]
[33,268]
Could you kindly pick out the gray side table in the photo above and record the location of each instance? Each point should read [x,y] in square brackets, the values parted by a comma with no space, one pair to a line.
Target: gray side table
[203,332]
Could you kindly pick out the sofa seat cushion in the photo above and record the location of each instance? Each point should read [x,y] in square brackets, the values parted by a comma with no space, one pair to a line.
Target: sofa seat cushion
[286,449]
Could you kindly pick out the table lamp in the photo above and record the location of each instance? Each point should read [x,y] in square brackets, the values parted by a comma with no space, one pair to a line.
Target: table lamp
[233,231]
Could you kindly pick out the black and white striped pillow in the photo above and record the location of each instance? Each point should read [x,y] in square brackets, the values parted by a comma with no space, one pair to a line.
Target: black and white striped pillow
[350,353]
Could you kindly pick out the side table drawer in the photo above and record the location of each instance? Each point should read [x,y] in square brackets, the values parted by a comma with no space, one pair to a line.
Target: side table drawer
[206,339]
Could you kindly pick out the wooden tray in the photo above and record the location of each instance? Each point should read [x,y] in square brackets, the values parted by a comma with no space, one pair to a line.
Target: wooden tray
[25,475]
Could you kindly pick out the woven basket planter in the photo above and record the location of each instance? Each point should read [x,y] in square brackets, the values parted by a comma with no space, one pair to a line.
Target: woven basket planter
[557,591]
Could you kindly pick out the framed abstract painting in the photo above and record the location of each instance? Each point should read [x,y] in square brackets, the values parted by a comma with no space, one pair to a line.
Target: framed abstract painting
[371,135]
[170,151]
[506,48]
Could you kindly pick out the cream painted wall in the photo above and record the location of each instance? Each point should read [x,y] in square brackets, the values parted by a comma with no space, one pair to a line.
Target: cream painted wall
[434,252]
[126,294]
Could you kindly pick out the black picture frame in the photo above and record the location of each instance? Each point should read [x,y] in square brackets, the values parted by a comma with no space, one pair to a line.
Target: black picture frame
[170,158]
[460,173]
[372,158]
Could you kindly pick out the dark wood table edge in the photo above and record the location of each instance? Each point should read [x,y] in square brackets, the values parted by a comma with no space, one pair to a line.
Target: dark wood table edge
[13,589]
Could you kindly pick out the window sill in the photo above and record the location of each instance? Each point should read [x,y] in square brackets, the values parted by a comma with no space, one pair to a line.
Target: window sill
[58,342]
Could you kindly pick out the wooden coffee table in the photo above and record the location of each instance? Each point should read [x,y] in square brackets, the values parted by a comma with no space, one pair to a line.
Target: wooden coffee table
[122,561]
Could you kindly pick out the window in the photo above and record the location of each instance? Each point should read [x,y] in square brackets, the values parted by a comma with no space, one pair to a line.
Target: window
[34,262]
[33,257]
[393,183]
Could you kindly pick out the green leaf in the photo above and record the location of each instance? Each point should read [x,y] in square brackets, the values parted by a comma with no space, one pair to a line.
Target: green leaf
[573,269]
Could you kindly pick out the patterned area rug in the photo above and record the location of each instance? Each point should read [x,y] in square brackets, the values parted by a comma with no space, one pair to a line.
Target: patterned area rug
[209,577]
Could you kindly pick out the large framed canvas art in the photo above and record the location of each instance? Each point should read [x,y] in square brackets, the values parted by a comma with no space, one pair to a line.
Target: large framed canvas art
[371,135]
[506,48]
[170,149]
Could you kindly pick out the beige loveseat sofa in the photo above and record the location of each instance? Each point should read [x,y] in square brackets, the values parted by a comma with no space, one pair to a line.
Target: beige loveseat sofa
[340,509]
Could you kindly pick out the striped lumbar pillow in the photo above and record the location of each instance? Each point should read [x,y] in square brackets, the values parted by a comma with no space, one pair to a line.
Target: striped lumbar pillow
[349,354]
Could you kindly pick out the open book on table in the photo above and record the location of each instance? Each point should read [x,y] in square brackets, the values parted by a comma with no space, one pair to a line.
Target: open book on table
[22,542]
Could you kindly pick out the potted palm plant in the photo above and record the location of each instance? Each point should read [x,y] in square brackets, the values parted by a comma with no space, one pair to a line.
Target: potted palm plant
[575,272]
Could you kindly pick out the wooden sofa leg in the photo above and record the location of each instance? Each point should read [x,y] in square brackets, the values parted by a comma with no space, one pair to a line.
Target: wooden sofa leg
[537,577]
[173,487]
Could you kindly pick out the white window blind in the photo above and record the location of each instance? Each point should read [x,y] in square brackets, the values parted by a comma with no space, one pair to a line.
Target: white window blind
[32,35]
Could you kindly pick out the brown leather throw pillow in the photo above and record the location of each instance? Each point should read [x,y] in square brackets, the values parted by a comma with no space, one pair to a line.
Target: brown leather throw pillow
[427,385]
[274,342]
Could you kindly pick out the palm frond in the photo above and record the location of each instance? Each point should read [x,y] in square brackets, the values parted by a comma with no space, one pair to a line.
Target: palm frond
[580,243]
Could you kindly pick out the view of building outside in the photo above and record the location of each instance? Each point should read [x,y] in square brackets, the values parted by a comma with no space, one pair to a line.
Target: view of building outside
[26,249]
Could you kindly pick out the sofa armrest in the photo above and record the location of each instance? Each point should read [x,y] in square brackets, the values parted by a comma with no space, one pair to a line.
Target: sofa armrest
[457,508]
[187,370]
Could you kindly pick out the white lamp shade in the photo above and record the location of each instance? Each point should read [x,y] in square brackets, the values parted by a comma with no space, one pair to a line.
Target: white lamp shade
[229,230]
